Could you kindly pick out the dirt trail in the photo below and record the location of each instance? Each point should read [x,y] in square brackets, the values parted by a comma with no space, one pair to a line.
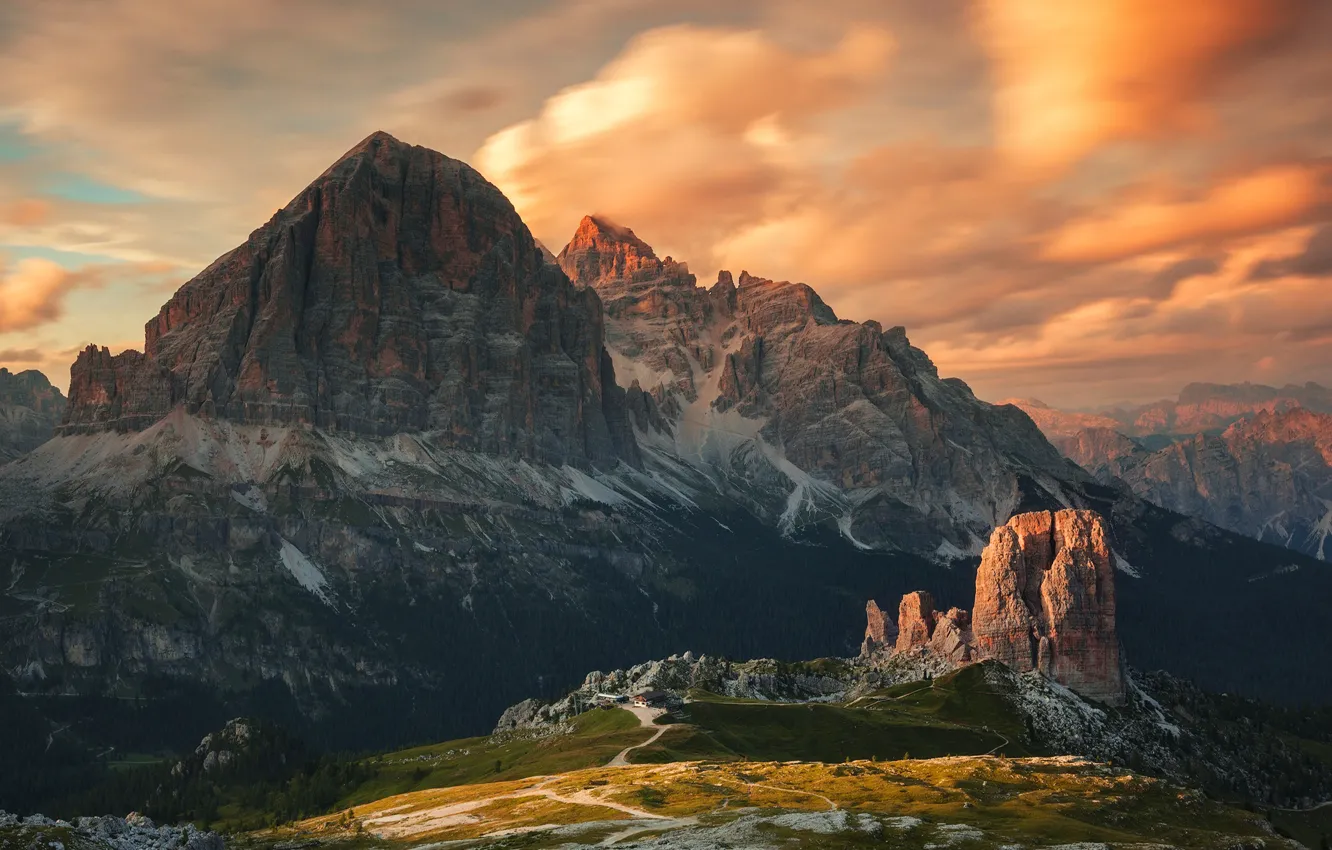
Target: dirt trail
[831,805]
[645,717]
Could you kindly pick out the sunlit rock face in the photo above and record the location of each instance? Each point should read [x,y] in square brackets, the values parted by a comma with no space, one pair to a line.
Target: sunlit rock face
[915,621]
[399,292]
[880,630]
[30,409]
[1045,599]
[807,417]
[1268,476]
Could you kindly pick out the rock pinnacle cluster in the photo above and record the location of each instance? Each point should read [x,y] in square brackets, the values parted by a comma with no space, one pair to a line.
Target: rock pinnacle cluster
[1045,600]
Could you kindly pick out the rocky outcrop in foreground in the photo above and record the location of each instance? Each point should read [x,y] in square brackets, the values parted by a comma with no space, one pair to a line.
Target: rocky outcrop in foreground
[761,678]
[134,832]
[880,629]
[30,410]
[1045,600]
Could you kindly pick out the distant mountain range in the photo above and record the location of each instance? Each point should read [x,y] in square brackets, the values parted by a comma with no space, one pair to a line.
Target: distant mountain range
[1266,474]
[30,410]
[389,456]
[1199,408]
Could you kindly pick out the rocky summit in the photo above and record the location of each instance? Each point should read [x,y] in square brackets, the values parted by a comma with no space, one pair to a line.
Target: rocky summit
[1045,600]
[399,292]
[806,417]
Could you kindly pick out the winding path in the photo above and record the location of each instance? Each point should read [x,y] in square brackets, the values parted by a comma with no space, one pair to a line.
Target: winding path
[645,717]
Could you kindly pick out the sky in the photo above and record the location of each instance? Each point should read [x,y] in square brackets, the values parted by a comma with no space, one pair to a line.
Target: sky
[1087,203]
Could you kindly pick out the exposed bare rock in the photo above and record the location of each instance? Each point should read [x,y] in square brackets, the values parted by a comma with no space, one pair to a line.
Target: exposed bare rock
[1093,448]
[601,250]
[952,638]
[880,630]
[656,314]
[1056,423]
[399,292]
[803,416]
[1003,619]
[1207,407]
[1268,476]
[30,409]
[1045,600]
[915,621]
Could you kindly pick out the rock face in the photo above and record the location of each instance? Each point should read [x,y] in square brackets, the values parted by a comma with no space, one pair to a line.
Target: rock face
[880,631]
[915,621]
[1045,599]
[952,638]
[399,292]
[133,832]
[1268,476]
[30,409]
[802,415]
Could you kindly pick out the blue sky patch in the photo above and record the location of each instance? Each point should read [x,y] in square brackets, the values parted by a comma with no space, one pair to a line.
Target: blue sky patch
[78,187]
[14,146]
[68,259]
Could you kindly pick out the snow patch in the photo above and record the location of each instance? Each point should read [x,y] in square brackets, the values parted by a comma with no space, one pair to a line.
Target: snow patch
[251,497]
[584,486]
[1122,564]
[1279,571]
[305,572]
[844,526]
[947,553]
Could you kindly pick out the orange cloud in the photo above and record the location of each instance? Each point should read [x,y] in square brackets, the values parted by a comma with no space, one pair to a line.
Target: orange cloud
[21,355]
[27,212]
[1265,199]
[1100,347]
[685,118]
[1070,76]
[32,293]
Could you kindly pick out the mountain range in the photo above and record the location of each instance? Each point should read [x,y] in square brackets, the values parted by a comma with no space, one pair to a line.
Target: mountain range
[1199,408]
[30,410]
[389,457]
[1267,474]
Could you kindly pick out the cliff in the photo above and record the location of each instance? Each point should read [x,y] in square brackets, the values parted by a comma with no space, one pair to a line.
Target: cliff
[1045,600]
[400,292]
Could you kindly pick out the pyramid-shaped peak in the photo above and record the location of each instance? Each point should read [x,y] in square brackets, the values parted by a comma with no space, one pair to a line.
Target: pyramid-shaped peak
[602,251]
[597,231]
[400,292]
[378,138]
